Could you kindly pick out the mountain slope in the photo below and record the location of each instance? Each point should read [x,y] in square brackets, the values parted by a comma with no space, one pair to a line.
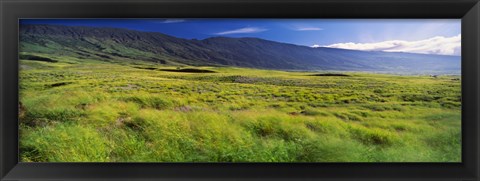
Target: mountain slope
[121,44]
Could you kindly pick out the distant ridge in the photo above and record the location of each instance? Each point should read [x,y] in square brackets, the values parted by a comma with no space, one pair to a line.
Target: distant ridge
[122,44]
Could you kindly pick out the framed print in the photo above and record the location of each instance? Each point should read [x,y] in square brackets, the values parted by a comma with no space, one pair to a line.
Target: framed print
[319,90]
[239,90]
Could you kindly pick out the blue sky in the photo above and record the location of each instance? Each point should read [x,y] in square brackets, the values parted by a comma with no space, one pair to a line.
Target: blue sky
[338,33]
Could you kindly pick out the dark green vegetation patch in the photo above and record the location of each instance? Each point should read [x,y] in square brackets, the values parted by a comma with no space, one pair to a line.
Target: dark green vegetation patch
[188,70]
[36,58]
[331,74]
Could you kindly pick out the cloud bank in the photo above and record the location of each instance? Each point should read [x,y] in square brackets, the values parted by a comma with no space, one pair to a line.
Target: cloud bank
[437,45]
[242,30]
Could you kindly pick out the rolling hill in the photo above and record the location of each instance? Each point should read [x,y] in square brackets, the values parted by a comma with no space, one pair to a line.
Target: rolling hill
[110,44]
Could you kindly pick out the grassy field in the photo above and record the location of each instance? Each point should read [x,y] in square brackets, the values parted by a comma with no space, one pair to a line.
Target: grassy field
[78,110]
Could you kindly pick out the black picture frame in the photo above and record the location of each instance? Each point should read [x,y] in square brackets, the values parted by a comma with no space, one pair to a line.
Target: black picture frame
[12,10]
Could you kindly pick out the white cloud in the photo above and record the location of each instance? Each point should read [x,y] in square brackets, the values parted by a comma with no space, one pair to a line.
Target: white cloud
[173,21]
[308,29]
[242,30]
[437,45]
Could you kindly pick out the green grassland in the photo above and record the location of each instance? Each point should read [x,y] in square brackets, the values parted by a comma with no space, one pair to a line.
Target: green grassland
[80,110]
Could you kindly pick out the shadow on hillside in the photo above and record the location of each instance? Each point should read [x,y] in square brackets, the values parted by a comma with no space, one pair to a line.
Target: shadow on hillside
[331,74]
[36,58]
[186,70]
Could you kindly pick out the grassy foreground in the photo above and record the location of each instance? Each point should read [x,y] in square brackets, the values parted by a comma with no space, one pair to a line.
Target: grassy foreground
[78,110]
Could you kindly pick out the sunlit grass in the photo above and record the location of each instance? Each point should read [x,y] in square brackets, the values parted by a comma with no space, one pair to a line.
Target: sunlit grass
[80,110]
